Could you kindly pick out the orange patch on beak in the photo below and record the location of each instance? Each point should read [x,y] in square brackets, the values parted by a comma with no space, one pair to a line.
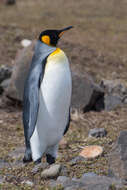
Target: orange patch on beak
[61,34]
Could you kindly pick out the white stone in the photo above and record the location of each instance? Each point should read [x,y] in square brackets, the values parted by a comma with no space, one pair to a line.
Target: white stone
[26,42]
[27,182]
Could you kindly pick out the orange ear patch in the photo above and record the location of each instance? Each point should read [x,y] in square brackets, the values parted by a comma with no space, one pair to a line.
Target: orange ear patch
[46,39]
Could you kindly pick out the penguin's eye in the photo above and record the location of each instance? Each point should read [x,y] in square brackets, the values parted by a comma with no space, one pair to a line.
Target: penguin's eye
[45,39]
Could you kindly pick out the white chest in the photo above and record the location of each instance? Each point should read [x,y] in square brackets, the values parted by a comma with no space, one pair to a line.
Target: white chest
[56,85]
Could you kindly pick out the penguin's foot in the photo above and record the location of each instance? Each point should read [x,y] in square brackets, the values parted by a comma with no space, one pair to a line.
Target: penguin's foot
[27,157]
[38,161]
[50,159]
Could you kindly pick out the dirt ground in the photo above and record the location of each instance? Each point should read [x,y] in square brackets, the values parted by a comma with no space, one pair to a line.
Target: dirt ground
[97,45]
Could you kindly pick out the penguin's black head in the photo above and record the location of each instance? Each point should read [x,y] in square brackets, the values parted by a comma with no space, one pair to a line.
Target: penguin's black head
[51,37]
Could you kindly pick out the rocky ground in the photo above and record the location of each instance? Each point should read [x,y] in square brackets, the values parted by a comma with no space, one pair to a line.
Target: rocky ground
[97,46]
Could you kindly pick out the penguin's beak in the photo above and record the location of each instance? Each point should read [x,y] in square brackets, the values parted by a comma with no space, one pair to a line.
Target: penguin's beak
[61,32]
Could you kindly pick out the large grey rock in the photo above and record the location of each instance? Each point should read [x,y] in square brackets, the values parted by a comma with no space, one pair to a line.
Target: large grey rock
[113,87]
[4,85]
[115,94]
[118,157]
[5,72]
[90,187]
[112,101]
[20,71]
[101,182]
[85,93]
[89,182]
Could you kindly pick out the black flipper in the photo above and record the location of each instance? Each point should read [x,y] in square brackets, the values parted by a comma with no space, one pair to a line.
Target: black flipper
[68,123]
[28,155]
[31,103]
[31,93]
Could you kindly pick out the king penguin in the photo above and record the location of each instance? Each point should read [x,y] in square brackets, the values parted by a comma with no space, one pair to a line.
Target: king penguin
[47,98]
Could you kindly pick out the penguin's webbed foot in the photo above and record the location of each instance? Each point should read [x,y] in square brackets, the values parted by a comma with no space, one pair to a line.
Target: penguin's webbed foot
[38,161]
[27,157]
[50,159]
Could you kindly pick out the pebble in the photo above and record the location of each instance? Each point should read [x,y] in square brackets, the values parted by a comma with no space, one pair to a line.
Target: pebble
[27,182]
[63,143]
[97,132]
[74,115]
[76,160]
[51,172]
[26,42]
